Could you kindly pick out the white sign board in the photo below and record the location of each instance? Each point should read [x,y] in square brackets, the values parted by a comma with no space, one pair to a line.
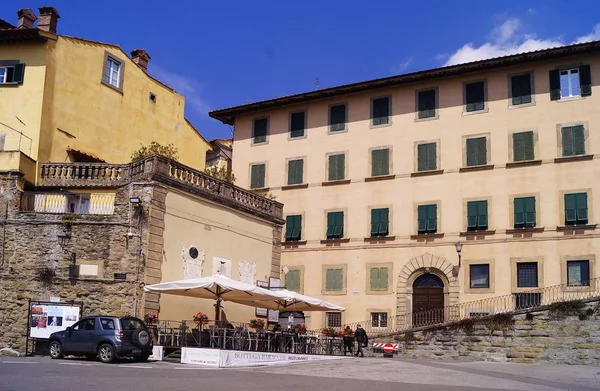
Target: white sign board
[47,319]
[262,311]
[157,353]
[233,358]
[274,314]
[199,356]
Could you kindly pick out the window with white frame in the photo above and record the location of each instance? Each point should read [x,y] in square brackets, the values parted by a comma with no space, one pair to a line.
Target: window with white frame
[379,319]
[569,83]
[333,319]
[112,72]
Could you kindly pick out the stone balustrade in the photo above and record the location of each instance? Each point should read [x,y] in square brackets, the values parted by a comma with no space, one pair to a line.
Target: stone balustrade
[84,174]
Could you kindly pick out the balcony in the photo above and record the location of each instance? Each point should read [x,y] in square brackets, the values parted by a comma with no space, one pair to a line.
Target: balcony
[86,203]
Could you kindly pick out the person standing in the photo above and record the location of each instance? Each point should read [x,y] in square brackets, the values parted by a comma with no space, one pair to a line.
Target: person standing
[360,335]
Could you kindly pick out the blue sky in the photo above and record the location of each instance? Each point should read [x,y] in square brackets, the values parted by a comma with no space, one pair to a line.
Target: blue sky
[225,53]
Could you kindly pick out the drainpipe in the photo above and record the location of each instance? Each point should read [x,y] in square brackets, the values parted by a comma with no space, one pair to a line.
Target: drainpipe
[4,231]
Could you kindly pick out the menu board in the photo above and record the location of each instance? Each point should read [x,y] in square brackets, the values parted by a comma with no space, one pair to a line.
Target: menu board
[49,318]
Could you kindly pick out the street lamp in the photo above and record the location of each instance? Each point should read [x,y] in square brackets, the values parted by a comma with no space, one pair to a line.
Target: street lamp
[63,241]
[458,246]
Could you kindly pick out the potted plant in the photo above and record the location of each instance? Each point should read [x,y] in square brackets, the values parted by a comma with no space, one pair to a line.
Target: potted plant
[257,324]
[201,318]
[329,332]
[150,317]
[300,328]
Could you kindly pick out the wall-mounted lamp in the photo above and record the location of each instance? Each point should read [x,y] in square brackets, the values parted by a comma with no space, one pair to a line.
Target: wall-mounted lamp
[63,241]
[458,246]
[135,201]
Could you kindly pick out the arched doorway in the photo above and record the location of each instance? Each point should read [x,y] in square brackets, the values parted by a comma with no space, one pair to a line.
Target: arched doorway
[428,300]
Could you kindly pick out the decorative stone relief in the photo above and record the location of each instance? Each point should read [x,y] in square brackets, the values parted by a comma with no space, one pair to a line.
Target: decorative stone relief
[193,262]
[247,272]
[222,266]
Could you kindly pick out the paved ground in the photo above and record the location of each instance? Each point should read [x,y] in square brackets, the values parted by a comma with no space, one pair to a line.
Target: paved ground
[18,374]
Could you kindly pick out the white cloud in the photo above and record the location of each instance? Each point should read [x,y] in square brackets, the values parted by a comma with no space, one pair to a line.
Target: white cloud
[190,88]
[402,66]
[507,39]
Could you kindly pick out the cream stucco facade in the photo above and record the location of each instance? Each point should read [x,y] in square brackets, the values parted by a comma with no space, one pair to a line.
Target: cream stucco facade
[450,183]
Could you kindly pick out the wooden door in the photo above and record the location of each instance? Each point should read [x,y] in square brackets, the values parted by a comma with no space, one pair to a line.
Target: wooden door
[428,301]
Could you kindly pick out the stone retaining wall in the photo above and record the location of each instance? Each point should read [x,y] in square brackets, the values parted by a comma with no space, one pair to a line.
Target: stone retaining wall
[561,334]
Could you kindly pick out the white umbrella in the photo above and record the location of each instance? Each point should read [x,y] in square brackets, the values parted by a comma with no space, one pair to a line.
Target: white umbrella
[293,301]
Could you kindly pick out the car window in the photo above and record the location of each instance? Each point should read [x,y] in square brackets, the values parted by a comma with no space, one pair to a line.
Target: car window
[131,324]
[85,324]
[107,324]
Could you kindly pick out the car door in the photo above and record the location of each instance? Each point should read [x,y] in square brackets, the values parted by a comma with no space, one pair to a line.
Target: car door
[81,338]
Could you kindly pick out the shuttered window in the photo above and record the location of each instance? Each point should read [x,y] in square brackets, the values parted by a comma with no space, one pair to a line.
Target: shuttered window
[573,140]
[379,279]
[380,162]
[427,157]
[576,209]
[380,111]
[334,280]
[292,280]
[566,83]
[578,273]
[295,172]
[335,225]
[257,176]
[337,118]
[520,86]
[477,215]
[476,151]
[426,104]
[293,228]
[427,219]
[12,74]
[527,275]
[524,212]
[380,222]
[297,124]
[337,167]
[259,130]
[475,96]
[523,146]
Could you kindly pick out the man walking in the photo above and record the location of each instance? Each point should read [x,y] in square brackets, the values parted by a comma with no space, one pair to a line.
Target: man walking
[360,335]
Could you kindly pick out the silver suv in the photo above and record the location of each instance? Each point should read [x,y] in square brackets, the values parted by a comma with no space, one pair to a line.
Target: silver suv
[105,337]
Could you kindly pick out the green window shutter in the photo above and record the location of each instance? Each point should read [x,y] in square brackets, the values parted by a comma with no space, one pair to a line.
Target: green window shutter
[528,153]
[260,130]
[582,208]
[295,172]
[570,209]
[422,219]
[375,222]
[523,146]
[554,84]
[292,280]
[585,80]
[380,222]
[422,157]
[482,215]
[427,219]
[19,73]
[380,162]
[578,140]
[530,211]
[431,156]
[432,219]
[472,215]
[337,166]
[374,279]
[475,96]
[341,166]
[383,278]
[567,141]
[335,225]
[330,280]
[337,118]
[519,210]
[472,152]
[521,89]
[426,103]
[482,151]
[257,177]
[293,227]
[381,111]
[297,124]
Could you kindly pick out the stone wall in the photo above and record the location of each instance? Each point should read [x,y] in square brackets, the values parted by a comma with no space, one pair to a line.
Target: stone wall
[563,333]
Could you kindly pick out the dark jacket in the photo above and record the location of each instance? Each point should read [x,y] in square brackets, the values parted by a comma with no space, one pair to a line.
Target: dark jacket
[360,335]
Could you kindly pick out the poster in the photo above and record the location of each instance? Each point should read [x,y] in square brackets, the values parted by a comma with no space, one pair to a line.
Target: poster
[262,311]
[274,314]
[49,318]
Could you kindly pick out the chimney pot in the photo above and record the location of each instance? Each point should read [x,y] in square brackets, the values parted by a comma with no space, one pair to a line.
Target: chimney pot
[48,19]
[141,58]
[26,18]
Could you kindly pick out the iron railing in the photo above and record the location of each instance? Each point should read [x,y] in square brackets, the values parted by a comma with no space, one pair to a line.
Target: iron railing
[527,299]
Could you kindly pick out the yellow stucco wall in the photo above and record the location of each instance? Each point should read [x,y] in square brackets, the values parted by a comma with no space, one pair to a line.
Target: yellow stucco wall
[451,189]
[219,232]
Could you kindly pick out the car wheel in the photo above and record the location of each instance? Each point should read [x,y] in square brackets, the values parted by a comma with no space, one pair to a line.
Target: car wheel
[142,358]
[56,350]
[106,353]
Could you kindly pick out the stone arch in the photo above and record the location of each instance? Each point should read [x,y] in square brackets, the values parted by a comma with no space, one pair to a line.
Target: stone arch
[416,267]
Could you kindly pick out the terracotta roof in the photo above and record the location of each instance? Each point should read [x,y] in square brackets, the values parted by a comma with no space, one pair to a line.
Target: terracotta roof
[228,115]
[4,25]
[15,35]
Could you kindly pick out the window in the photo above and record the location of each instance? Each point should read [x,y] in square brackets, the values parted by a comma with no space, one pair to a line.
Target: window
[379,279]
[295,172]
[260,130]
[520,87]
[527,275]
[427,219]
[337,118]
[334,280]
[107,324]
[523,146]
[297,124]
[567,83]
[292,280]
[12,74]
[380,222]
[337,167]
[112,73]
[573,140]
[479,276]
[475,96]
[380,162]
[293,228]
[85,324]
[576,209]
[578,273]
[333,319]
[426,104]
[426,157]
[477,215]
[379,319]
[257,176]
[335,225]
[380,111]
[476,151]
[524,212]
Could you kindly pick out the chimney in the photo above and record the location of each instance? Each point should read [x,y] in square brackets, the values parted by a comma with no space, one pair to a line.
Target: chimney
[141,58]
[26,18]
[48,19]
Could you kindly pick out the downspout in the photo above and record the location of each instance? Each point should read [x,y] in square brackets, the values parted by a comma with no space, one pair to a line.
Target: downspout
[4,231]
